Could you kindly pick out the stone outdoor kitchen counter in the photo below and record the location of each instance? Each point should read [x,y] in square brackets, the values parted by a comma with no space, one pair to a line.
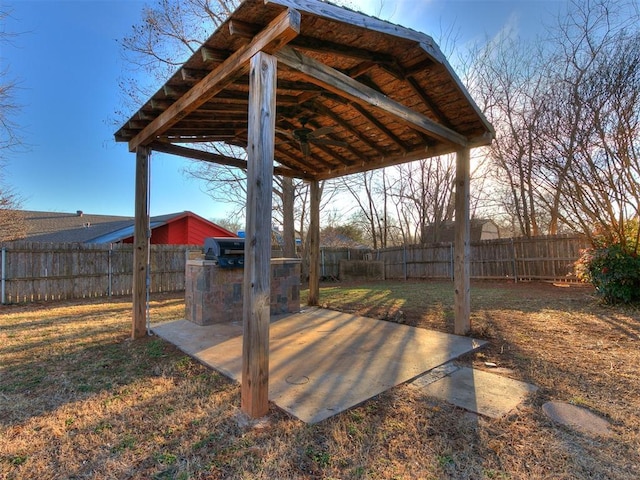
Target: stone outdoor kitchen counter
[214,294]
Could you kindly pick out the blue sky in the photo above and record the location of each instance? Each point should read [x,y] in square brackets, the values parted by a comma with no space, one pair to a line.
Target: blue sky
[67,62]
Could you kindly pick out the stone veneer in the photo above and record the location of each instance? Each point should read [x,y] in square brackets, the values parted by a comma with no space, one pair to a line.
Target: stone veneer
[214,295]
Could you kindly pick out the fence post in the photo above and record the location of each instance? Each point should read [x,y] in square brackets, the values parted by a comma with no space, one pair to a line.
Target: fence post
[515,263]
[109,270]
[3,266]
[404,260]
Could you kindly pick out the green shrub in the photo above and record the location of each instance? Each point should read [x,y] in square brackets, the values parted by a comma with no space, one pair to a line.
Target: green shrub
[613,270]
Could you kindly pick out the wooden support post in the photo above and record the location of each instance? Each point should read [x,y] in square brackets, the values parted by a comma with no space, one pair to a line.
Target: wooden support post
[141,240]
[314,245]
[257,266]
[462,323]
[288,231]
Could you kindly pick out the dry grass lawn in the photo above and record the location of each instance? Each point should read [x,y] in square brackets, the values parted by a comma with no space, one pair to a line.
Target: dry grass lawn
[78,399]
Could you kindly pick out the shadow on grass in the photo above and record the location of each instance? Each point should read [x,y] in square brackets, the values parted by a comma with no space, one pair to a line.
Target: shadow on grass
[72,351]
[158,415]
[505,315]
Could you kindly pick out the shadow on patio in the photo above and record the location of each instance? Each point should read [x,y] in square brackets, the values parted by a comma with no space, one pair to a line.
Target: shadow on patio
[322,361]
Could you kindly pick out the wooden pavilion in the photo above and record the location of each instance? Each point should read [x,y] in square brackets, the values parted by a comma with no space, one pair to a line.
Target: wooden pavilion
[312,91]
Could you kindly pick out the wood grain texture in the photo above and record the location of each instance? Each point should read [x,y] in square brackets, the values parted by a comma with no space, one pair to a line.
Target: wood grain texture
[345,86]
[314,244]
[462,302]
[277,34]
[340,14]
[186,152]
[141,242]
[256,288]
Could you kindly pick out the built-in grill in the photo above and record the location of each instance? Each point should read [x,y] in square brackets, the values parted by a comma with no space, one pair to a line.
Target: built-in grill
[228,252]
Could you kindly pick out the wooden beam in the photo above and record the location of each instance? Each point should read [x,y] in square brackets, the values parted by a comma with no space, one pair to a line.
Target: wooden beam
[430,104]
[214,55]
[243,29]
[361,69]
[257,266]
[304,168]
[355,91]
[191,75]
[380,126]
[220,159]
[314,244]
[332,48]
[172,91]
[332,153]
[277,34]
[141,240]
[382,161]
[339,14]
[462,304]
[218,137]
[387,161]
[343,123]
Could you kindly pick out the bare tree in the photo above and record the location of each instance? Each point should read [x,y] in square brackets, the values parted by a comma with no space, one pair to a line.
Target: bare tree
[424,196]
[9,137]
[369,190]
[509,82]
[169,32]
[566,116]
[593,118]
[12,224]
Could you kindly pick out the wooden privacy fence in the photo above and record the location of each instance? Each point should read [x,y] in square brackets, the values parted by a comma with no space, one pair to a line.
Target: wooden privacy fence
[31,271]
[538,258]
[518,259]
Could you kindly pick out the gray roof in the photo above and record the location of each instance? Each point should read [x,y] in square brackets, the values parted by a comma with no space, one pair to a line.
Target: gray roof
[82,227]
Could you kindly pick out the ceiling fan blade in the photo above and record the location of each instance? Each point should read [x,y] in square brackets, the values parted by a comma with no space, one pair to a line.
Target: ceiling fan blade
[304,146]
[320,131]
[285,133]
[328,141]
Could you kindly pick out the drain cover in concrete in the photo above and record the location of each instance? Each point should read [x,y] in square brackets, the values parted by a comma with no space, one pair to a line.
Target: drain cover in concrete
[577,417]
[481,392]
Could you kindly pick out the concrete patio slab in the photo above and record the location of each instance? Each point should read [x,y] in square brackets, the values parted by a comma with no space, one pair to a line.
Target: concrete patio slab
[321,361]
[577,417]
[478,391]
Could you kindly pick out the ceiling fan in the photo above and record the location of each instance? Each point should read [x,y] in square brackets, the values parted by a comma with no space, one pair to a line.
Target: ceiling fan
[305,136]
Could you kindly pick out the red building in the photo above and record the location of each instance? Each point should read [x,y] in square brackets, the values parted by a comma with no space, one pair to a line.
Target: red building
[183,228]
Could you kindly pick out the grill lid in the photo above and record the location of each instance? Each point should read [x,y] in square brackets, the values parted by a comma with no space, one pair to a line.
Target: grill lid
[217,248]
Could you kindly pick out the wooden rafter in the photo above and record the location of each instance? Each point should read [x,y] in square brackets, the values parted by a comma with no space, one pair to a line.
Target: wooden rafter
[380,126]
[285,158]
[277,34]
[324,46]
[349,128]
[428,102]
[218,159]
[347,87]
[387,161]
[214,55]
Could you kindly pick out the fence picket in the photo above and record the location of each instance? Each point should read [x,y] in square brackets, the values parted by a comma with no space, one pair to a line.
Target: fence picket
[53,271]
[56,271]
